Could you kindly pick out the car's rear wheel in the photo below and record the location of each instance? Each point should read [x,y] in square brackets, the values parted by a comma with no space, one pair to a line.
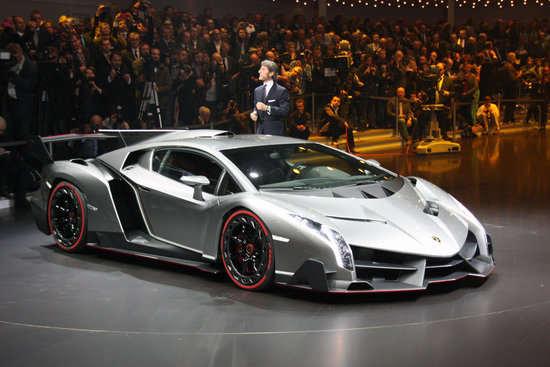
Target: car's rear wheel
[67,217]
[247,252]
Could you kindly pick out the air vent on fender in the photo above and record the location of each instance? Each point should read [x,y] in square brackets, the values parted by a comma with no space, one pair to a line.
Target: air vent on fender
[80,161]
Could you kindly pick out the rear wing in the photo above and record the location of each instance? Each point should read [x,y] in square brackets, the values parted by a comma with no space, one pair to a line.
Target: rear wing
[42,147]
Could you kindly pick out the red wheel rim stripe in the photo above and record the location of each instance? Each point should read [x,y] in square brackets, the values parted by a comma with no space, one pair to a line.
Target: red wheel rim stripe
[223,258]
[81,209]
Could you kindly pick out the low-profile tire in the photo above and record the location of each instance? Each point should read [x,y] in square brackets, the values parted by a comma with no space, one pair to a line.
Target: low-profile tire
[247,251]
[67,217]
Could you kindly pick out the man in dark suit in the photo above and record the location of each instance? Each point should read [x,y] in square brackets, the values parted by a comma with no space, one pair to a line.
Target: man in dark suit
[21,82]
[130,54]
[118,87]
[166,42]
[445,90]
[402,110]
[510,79]
[333,125]
[271,101]
[81,55]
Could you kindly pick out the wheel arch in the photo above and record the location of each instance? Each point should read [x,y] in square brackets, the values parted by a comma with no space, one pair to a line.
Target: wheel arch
[93,183]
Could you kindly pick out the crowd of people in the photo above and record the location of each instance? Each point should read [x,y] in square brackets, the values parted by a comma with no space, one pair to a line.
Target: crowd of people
[145,68]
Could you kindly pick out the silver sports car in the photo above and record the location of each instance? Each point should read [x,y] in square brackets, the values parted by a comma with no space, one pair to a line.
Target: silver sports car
[264,209]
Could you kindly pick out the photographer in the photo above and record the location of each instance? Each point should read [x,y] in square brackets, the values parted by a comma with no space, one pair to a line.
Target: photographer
[185,85]
[54,91]
[103,57]
[89,98]
[118,88]
[217,86]
[114,121]
[236,122]
[15,174]
[367,75]
[300,121]
[18,83]
[488,115]
[333,125]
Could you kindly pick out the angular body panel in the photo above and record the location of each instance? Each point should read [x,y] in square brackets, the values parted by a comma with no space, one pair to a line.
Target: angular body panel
[325,220]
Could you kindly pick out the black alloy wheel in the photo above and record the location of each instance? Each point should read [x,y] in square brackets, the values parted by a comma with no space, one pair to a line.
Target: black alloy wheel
[247,252]
[67,217]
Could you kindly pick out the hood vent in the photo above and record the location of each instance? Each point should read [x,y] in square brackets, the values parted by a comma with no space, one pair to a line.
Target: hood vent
[377,190]
[367,195]
[388,191]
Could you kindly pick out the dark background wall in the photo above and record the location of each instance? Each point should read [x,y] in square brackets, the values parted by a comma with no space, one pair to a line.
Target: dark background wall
[52,9]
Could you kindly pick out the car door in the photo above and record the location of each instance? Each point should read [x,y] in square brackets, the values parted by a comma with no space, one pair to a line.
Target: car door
[170,208]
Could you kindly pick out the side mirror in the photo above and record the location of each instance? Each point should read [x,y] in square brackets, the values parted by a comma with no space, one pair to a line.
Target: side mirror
[196,182]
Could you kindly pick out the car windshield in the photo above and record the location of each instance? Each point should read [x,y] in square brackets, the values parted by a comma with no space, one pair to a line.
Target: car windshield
[303,167]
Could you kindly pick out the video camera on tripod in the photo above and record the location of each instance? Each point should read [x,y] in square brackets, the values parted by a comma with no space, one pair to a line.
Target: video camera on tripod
[428,84]
[149,96]
[336,66]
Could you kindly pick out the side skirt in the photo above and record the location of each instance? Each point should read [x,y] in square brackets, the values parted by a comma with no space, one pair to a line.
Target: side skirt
[143,246]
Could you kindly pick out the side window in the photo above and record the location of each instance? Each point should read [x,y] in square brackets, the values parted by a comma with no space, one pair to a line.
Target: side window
[158,159]
[176,163]
[228,185]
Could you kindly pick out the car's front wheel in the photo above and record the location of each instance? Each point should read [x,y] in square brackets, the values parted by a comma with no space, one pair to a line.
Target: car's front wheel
[67,217]
[247,251]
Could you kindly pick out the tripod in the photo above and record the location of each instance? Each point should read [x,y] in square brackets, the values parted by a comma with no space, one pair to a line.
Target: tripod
[434,142]
[150,96]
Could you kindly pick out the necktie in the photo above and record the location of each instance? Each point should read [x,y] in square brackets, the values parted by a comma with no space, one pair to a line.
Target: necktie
[35,38]
[82,58]
[264,93]
[136,55]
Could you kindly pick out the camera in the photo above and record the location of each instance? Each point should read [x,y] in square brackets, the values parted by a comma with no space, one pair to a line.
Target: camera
[149,66]
[142,5]
[94,128]
[44,56]
[428,82]
[187,69]
[335,66]
[149,122]
[5,55]
[6,60]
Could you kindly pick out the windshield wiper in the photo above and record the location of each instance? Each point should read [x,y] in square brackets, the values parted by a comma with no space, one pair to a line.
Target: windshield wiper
[302,187]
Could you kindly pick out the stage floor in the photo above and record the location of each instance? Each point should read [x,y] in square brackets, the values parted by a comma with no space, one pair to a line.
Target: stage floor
[99,309]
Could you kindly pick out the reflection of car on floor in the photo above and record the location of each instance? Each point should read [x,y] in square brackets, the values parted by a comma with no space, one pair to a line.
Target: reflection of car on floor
[264,209]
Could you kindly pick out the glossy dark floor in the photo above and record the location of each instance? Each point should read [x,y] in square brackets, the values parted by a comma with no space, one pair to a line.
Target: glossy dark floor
[100,309]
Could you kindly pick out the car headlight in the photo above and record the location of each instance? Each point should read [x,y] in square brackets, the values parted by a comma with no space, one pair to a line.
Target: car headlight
[341,249]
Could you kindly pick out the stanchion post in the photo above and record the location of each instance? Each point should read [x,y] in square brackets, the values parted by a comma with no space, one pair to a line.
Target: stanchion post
[314,127]
[453,107]
[396,115]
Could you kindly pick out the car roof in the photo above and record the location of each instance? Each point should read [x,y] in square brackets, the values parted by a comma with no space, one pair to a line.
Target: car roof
[217,140]
[207,140]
